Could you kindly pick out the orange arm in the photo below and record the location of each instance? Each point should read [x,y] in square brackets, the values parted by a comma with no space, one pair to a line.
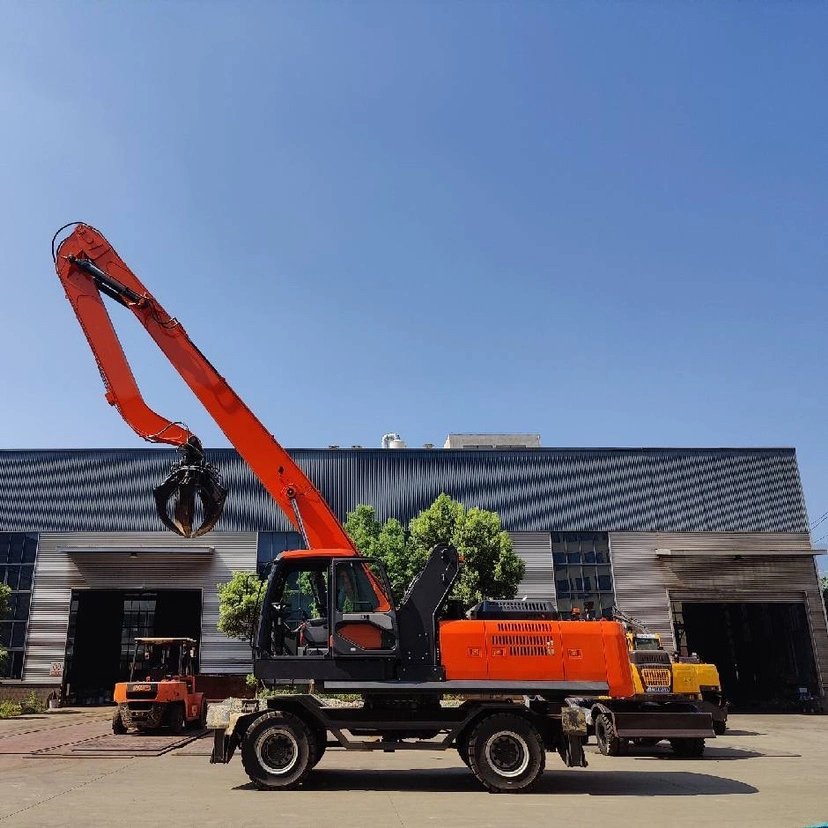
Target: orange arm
[87,266]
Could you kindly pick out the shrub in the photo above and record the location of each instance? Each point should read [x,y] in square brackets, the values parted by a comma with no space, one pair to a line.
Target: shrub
[8,709]
[32,704]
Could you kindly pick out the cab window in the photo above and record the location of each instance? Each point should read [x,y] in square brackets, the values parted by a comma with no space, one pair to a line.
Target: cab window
[305,594]
[360,587]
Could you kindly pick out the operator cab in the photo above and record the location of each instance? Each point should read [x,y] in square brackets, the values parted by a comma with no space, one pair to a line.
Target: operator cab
[316,606]
[328,615]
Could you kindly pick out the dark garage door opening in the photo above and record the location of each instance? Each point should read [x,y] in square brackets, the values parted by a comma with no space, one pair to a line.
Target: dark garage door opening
[103,625]
[763,651]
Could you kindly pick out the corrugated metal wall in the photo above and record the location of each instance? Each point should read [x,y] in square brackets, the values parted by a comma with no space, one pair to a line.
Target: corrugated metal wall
[533,490]
[107,565]
[645,582]
[535,549]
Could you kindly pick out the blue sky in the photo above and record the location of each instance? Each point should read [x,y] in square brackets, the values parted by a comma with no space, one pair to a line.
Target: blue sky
[604,222]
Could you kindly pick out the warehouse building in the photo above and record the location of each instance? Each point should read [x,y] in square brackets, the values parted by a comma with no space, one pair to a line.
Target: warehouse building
[708,547]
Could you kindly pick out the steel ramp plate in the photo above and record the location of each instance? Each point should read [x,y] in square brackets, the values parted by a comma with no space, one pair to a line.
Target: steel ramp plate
[128,745]
[200,746]
[45,735]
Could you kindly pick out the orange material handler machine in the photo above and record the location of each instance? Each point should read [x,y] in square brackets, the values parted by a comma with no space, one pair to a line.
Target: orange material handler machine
[327,616]
[161,691]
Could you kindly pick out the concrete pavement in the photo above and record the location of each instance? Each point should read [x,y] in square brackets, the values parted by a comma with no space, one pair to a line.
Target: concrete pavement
[767,771]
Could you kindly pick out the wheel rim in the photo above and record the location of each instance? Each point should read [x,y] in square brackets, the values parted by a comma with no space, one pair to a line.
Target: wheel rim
[507,753]
[277,751]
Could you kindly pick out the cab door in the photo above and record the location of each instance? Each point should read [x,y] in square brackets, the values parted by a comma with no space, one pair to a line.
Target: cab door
[365,621]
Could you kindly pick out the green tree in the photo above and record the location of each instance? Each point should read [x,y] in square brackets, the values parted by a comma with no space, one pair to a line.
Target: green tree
[823,582]
[5,594]
[388,542]
[239,604]
[490,569]
[364,529]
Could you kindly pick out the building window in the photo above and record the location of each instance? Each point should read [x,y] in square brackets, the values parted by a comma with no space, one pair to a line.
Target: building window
[138,622]
[18,551]
[583,574]
[271,544]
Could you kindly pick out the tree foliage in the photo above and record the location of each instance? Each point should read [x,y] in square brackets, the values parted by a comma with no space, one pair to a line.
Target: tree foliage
[388,542]
[239,604]
[491,569]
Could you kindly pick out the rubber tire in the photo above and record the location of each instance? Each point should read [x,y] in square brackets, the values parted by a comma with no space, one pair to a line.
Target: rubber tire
[175,718]
[304,745]
[201,722]
[529,741]
[608,743]
[719,727]
[463,749]
[118,726]
[687,748]
[321,737]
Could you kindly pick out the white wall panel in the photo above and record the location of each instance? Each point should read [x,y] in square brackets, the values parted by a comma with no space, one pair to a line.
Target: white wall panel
[67,561]
[535,550]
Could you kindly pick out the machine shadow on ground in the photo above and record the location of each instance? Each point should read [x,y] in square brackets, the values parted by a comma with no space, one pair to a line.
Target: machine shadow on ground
[719,753]
[459,780]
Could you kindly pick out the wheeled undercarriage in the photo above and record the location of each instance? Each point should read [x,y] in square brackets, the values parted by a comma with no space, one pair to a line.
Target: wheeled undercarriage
[503,741]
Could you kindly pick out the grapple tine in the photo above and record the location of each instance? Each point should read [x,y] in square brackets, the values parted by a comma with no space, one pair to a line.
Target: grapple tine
[163,493]
[212,501]
[184,510]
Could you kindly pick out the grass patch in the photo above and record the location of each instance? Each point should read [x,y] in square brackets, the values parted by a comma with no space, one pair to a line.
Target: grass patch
[31,704]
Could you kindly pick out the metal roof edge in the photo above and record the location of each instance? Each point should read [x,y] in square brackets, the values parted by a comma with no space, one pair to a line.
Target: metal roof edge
[424,450]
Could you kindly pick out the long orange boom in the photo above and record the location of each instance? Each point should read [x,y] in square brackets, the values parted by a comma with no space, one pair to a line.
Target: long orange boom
[88,266]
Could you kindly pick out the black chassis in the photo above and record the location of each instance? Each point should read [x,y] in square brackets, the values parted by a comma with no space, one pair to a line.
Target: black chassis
[420,718]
